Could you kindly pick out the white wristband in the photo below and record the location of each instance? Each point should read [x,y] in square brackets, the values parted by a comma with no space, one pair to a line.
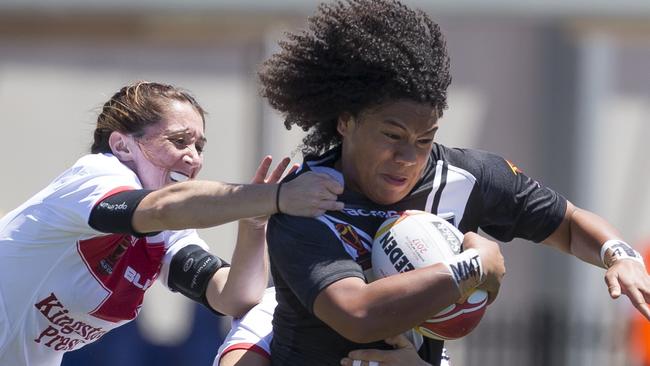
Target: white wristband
[614,250]
[466,270]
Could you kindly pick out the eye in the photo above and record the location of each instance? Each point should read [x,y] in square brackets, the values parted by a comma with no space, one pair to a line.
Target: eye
[179,141]
[391,136]
[426,141]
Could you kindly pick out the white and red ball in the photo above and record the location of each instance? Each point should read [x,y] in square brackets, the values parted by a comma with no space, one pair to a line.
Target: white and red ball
[417,239]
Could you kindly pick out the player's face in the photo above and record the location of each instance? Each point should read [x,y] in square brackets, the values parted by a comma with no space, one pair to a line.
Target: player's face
[171,150]
[385,149]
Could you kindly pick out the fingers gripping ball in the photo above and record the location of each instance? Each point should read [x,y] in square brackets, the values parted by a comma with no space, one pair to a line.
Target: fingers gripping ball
[417,239]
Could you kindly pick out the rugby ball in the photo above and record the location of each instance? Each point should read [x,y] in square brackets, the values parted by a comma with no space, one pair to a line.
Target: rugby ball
[417,239]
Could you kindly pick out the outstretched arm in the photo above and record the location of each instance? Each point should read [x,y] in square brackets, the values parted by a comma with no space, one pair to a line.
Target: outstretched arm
[201,204]
[236,289]
[584,234]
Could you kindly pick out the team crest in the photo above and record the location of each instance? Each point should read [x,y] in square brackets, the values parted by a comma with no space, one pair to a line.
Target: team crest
[351,238]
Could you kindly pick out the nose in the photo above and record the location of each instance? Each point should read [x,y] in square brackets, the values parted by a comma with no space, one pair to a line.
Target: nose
[406,154]
[193,158]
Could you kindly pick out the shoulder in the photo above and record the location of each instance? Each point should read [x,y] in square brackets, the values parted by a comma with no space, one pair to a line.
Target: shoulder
[97,170]
[478,163]
[295,226]
[470,159]
[101,164]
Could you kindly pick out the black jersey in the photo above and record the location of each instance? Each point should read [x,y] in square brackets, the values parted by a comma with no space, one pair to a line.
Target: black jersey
[472,189]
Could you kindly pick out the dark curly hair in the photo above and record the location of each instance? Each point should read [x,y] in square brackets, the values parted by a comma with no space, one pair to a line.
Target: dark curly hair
[354,55]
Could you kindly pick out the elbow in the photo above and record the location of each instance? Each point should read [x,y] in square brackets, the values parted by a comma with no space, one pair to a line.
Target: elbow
[236,308]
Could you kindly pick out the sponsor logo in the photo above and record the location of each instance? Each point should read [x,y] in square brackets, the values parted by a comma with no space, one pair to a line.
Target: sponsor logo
[619,248]
[106,265]
[64,333]
[371,213]
[134,277]
[114,206]
[449,236]
[395,254]
[466,269]
[188,264]
[195,278]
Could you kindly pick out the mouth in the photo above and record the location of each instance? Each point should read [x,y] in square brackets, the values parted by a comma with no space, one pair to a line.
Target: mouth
[178,177]
[395,180]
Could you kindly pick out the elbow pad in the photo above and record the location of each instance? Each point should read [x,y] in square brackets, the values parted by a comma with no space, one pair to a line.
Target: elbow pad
[191,270]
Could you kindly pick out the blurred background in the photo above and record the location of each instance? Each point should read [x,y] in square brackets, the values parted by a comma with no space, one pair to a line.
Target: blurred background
[559,87]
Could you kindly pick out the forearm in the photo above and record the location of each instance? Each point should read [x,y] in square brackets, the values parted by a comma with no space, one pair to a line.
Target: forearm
[249,269]
[582,234]
[389,306]
[234,292]
[588,233]
[200,204]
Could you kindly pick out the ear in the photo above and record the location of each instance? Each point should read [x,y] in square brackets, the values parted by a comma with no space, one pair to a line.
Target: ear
[120,146]
[344,124]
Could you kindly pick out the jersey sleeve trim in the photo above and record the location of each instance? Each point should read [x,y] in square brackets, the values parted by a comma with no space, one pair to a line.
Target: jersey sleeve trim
[327,281]
[247,347]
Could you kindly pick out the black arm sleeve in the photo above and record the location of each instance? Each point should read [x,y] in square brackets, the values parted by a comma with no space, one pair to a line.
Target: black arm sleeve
[114,213]
[190,272]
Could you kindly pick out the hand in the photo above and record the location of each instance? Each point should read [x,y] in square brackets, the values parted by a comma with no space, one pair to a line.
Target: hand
[310,194]
[404,354]
[630,278]
[492,260]
[260,177]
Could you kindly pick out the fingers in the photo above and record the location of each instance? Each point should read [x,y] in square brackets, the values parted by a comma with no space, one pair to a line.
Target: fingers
[262,170]
[331,184]
[294,167]
[492,295]
[399,341]
[367,354]
[614,288]
[310,194]
[331,205]
[351,362]
[639,302]
[630,278]
[276,175]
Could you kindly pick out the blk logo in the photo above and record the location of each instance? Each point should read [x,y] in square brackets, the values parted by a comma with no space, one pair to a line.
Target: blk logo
[134,277]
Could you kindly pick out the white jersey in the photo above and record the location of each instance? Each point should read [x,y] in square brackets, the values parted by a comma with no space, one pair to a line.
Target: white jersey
[254,331]
[62,283]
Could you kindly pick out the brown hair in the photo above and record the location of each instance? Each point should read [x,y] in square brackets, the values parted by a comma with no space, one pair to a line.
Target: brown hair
[135,107]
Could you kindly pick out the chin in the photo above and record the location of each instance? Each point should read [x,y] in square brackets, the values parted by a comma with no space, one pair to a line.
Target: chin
[387,198]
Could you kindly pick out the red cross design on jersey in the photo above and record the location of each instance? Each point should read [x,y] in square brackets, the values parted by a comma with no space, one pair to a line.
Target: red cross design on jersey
[125,267]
